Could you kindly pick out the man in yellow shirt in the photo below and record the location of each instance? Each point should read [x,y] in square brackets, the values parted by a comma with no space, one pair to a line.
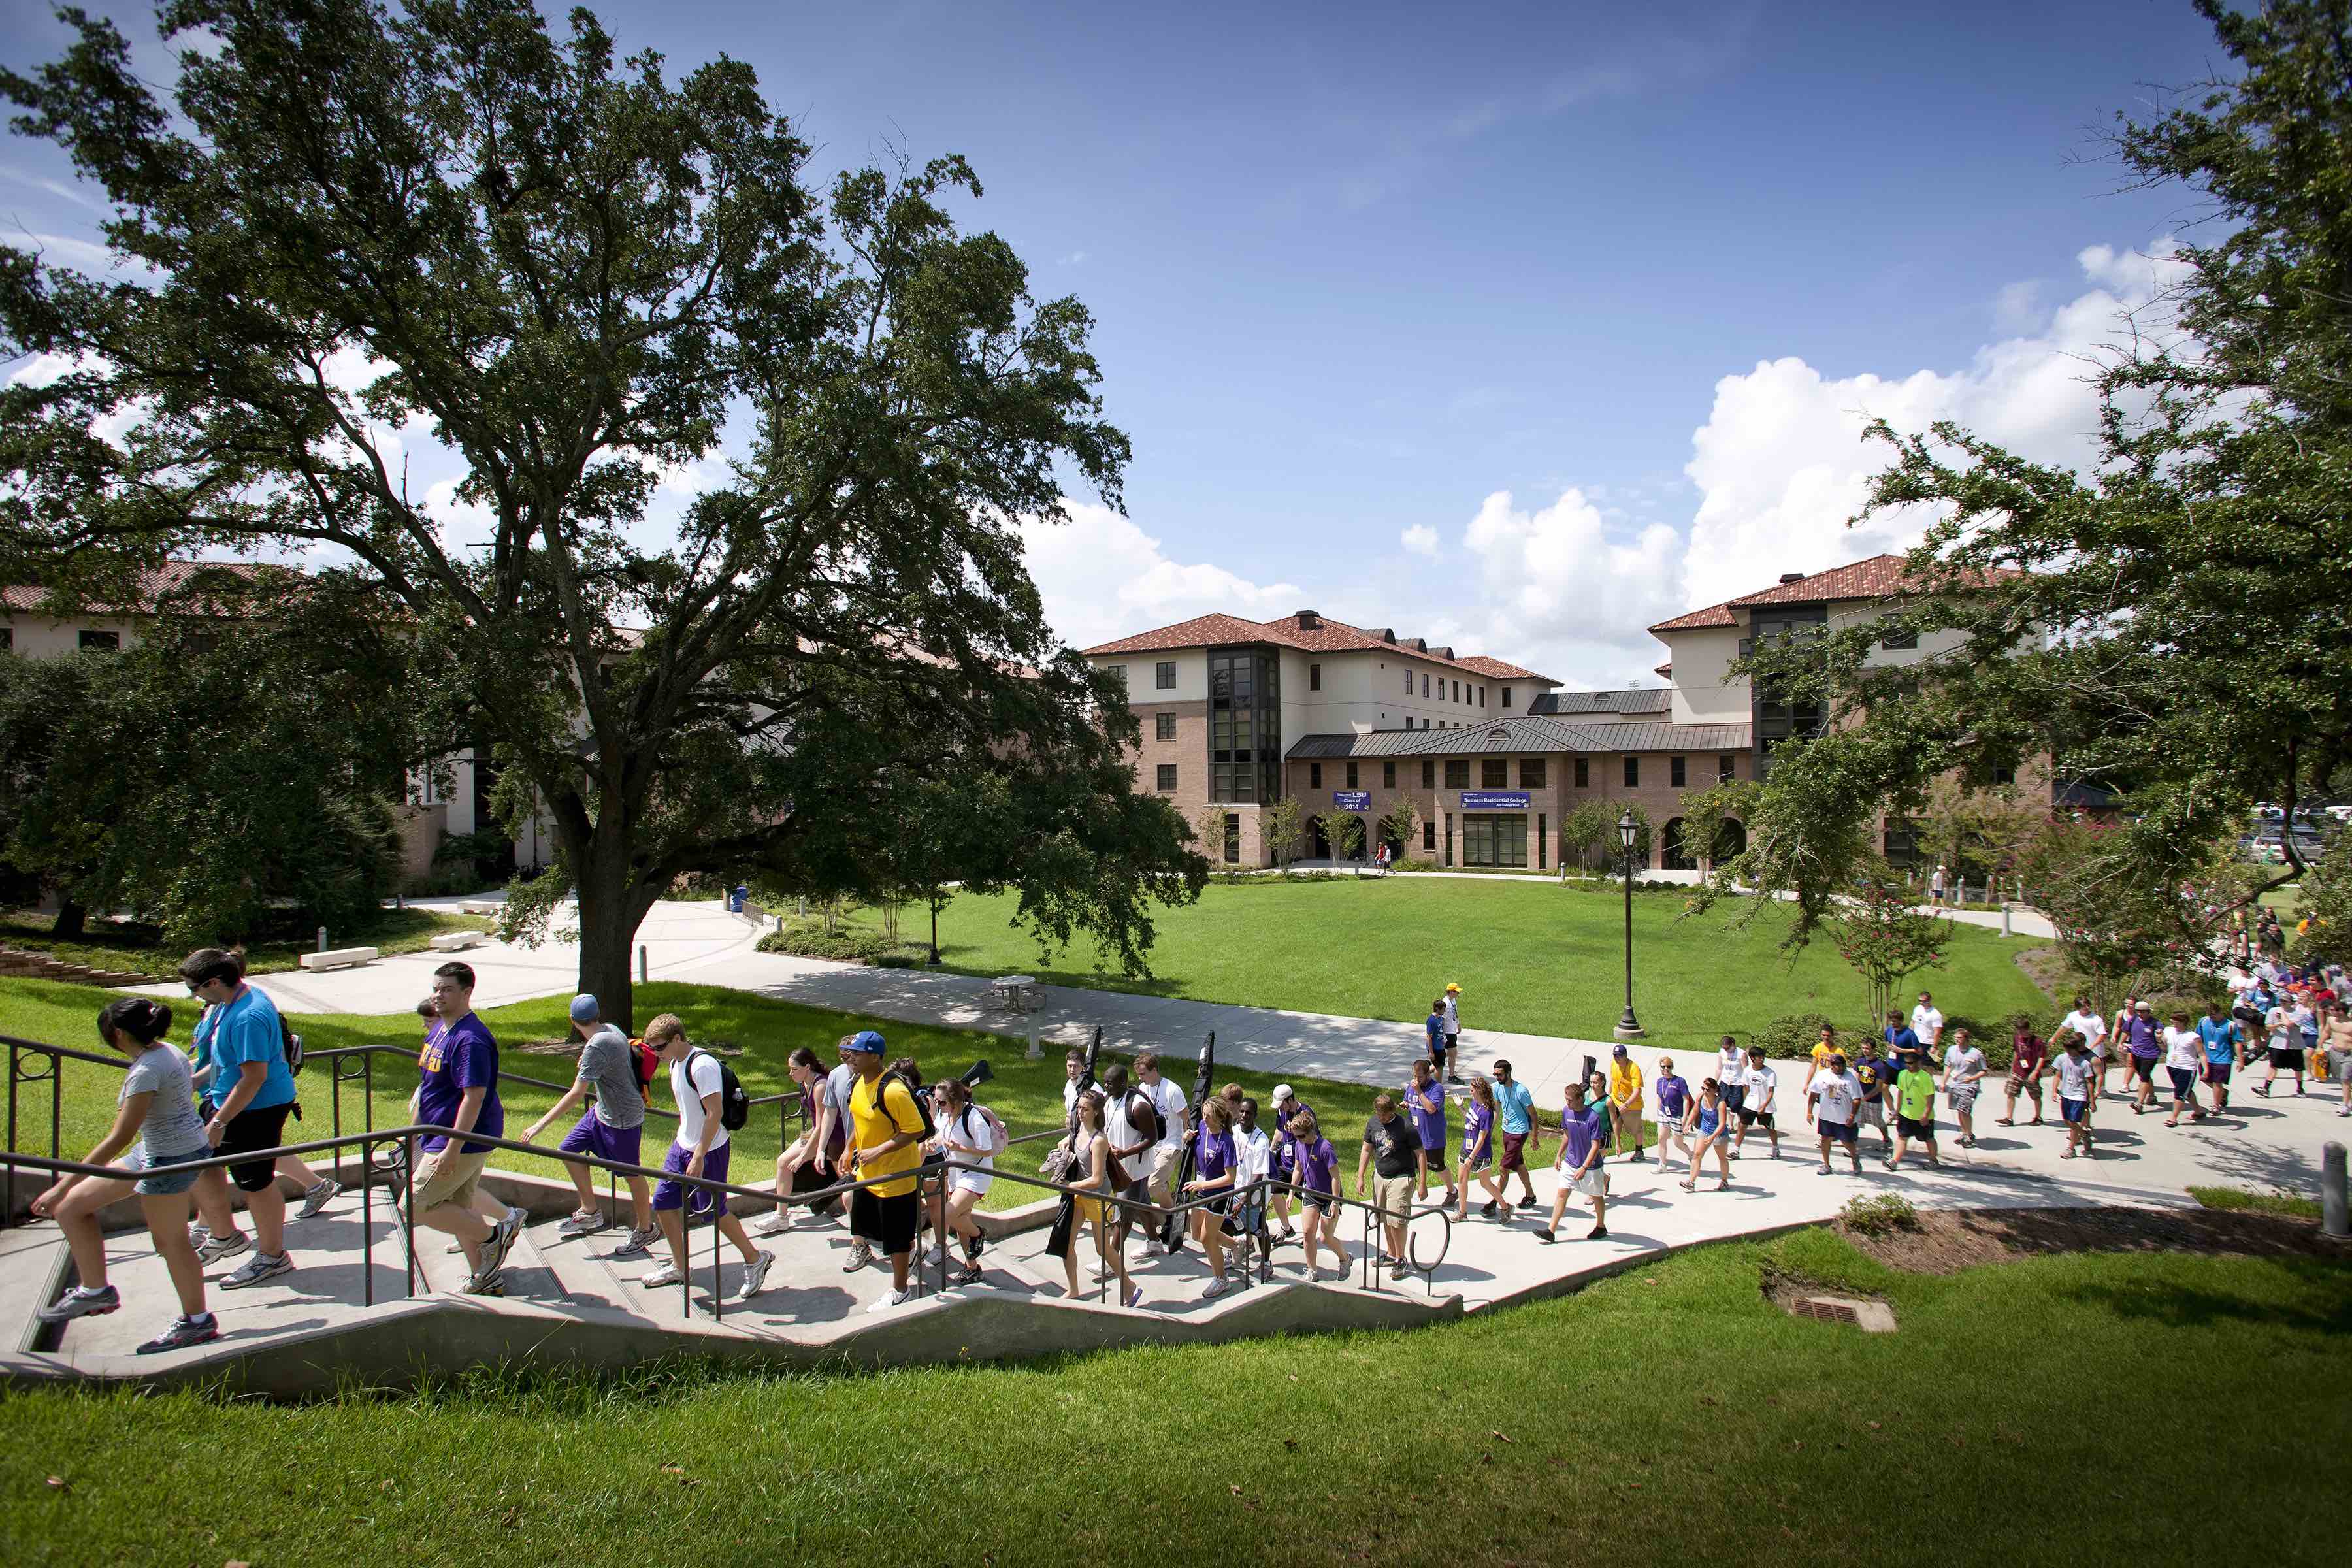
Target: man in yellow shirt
[1823,1049]
[886,1138]
[1625,1102]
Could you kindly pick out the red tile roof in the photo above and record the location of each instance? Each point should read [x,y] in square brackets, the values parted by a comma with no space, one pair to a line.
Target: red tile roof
[1878,577]
[1327,636]
[147,596]
[1663,671]
[1713,615]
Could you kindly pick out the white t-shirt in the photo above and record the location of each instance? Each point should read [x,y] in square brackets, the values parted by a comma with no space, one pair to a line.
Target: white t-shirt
[1926,1023]
[1761,1082]
[1731,1068]
[704,1069]
[969,1138]
[1069,1100]
[2183,1048]
[1253,1155]
[2281,1024]
[1837,1093]
[1452,1015]
[1966,1066]
[1117,1130]
[2090,1026]
[2075,1075]
[1169,1101]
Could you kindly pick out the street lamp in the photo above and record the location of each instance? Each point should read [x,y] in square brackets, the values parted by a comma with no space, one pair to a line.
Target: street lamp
[1628,1027]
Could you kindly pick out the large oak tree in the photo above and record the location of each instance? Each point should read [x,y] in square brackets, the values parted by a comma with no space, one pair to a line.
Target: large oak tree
[581,276]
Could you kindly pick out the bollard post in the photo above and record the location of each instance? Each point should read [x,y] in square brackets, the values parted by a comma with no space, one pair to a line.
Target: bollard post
[1034,1052]
[2004,920]
[322,939]
[641,964]
[2334,1218]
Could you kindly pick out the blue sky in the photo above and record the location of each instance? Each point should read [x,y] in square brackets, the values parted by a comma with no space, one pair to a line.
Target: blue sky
[1515,326]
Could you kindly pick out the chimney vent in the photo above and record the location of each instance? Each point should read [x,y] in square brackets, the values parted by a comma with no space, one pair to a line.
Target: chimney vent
[1308,620]
[1793,577]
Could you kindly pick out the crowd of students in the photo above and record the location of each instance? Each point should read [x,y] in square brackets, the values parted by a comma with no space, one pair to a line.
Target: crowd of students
[1133,1148]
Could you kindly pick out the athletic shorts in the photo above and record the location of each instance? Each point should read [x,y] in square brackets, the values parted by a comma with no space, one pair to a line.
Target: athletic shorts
[165,1174]
[1838,1131]
[1478,1162]
[250,1130]
[2217,1072]
[1735,1095]
[888,1224]
[2146,1068]
[2289,1056]
[1310,1198]
[2184,1079]
[1512,1159]
[1592,1184]
[1750,1118]
[971,1181]
[2073,1112]
[589,1135]
[1222,1203]
[1924,1132]
[670,1194]
[1134,1192]
[2339,1062]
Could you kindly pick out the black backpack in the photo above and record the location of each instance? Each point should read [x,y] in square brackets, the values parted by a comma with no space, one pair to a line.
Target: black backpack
[914,1087]
[1151,1123]
[734,1105]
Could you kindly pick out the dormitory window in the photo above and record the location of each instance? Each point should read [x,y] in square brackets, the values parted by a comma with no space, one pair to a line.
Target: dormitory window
[7,639]
[1163,726]
[1457,691]
[1232,837]
[1388,775]
[1408,683]
[1164,674]
[1893,641]
[1351,775]
[1723,769]
[1428,834]
[1632,772]
[1506,697]
[1457,773]
[1532,773]
[1425,689]
[1583,773]
[1675,771]
[1167,778]
[1428,773]
[1314,677]
[1494,772]
[110,641]
[1315,776]
[1117,672]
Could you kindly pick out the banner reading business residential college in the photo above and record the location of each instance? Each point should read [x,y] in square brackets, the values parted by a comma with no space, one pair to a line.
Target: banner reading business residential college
[1495,800]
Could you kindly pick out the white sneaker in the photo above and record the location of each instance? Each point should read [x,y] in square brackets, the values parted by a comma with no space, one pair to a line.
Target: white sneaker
[776,1222]
[1216,1288]
[895,1299]
[667,1274]
[755,1277]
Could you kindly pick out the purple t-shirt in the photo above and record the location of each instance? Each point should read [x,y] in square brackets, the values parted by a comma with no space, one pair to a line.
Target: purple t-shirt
[1214,1154]
[458,1057]
[1582,1129]
[1317,1162]
[2139,1034]
[1477,1122]
[1673,1096]
[1429,1126]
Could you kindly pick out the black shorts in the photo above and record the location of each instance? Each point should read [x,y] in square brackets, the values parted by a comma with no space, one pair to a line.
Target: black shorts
[1750,1118]
[2146,1068]
[808,1179]
[888,1223]
[1924,1130]
[2288,1057]
[1735,1095]
[1221,1203]
[250,1130]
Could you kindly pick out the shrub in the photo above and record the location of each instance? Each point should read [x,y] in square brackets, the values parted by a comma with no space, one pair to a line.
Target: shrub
[847,945]
[1790,1036]
[1415,863]
[1880,1216]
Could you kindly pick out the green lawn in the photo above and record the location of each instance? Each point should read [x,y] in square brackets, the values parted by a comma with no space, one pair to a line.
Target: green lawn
[1668,1414]
[1531,958]
[2286,1204]
[140,950]
[1028,1095]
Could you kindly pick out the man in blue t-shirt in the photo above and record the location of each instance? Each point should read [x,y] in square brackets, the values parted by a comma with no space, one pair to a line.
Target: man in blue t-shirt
[457,1087]
[249,1093]
[1900,1037]
[1583,1137]
[2222,1036]
[1515,1113]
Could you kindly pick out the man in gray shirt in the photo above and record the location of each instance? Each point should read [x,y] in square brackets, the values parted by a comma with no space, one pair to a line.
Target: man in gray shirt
[609,1128]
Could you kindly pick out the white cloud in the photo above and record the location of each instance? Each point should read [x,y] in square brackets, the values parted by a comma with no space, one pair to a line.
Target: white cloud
[1103,577]
[1421,538]
[1780,463]
[464,524]
[1559,586]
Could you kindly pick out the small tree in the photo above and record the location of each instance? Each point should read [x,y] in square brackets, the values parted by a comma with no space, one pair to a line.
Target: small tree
[1883,936]
[1283,828]
[1209,826]
[2324,907]
[1590,833]
[1401,823]
[2121,929]
[1343,833]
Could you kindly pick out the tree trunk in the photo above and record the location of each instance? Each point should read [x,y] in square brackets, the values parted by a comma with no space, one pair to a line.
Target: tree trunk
[71,920]
[612,906]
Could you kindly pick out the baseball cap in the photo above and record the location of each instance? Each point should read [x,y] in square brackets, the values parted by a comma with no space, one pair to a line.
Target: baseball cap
[1282,1092]
[583,1008]
[867,1040]
[1617,1050]
[1451,986]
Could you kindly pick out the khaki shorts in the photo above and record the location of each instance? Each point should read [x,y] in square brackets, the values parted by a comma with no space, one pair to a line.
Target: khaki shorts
[1163,1166]
[451,1176]
[1393,1196]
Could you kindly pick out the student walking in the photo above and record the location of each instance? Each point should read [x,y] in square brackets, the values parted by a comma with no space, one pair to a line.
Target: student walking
[1731,1076]
[457,1087]
[1478,1149]
[1964,1072]
[2078,1072]
[1318,1184]
[1625,1104]
[1175,1123]
[2144,1044]
[1096,1171]
[1673,1102]
[1927,1023]
[1282,1162]
[1708,1125]
[2220,1035]
[1915,1111]
[2285,1046]
[155,1129]
[246,1102]
[2085,1020]
[702,1149]
[1245,1222]
[1515,1112]
[1433,1029]
[609,1128]
[1131,1123]
[1390,1139]
[1215,1162]
[1875,1075]
[2027,1058]
[1763,1085]
[1452,1030]
[1425,1100]
[801,1167]
[2184,1057]
[885,1137]
[1833,1101]
[1581,1166]
[971,1133]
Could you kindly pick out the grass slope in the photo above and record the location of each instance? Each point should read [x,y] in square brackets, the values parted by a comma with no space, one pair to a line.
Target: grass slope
[140,950]
[1666,1415]
[1028,1095]
[1531,958]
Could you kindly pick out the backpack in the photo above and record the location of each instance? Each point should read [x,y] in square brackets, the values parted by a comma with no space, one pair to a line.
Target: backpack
[914,1092]
[734,1105]
[645,1061]
[1150,1123]
[291,1043]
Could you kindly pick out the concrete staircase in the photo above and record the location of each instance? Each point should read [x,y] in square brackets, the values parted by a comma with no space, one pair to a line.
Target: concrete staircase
[17,964]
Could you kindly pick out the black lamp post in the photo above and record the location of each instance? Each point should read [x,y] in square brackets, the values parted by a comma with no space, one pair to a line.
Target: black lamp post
[1628,1027]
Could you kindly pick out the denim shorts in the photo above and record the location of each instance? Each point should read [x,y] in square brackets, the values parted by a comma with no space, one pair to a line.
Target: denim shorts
[165,1175]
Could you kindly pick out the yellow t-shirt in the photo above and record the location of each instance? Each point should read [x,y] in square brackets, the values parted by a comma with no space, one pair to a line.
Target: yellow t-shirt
[1625,1079]
[1822,1055]
[874,1126]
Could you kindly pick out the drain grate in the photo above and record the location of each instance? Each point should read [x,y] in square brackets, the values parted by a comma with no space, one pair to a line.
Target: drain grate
[1827,1311]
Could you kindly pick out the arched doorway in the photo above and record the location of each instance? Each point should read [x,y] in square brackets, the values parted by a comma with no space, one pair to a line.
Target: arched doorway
[1730,840]
[1318,845]
[1673,856]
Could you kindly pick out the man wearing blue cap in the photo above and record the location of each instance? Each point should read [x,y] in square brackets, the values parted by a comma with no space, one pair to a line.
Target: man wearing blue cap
[610,1128]
[886,1140]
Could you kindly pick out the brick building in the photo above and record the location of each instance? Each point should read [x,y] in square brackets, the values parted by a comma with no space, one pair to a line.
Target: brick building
[1236,713]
